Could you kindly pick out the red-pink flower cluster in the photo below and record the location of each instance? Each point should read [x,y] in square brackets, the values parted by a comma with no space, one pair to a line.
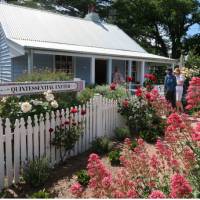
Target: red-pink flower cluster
[76,189]
[113,86]
[138,92]
[142,168]
[179,187]
[100,177]
[150,77]
[157,194]
[193,93]
[196,134]
[175,125]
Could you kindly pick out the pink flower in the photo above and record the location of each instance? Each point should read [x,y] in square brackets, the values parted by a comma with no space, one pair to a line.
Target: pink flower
[67,123]
[157,194]
[127,142]
[106,182]
[118,194]
[51,130]
[196,134]
[132,194]
[154,162]
[148,96]
[188,154]
[150,77]
[83,112]
[180,187]
[129,79]
[113,86]
[174,118]
[196,137]
[174,163]
[138,92]
[76,189]
[140,141]
[74,110]
[93,157]
[125,103]
[189,107]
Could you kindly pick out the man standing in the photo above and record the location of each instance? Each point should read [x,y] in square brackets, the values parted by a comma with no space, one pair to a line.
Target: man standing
[170,87]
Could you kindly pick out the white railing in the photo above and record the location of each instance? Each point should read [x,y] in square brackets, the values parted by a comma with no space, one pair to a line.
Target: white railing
[27,141]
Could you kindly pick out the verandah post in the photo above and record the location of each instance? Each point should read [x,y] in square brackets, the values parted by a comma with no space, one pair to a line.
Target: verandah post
[30,61]
[142,72]
[109,71]
[92,70]
[130,71]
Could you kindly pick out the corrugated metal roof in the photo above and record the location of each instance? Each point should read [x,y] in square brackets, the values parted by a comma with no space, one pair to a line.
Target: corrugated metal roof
[36,25]
[34,28]
[92,50]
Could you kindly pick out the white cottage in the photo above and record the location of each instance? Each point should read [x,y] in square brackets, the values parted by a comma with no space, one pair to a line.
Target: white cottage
[86,48]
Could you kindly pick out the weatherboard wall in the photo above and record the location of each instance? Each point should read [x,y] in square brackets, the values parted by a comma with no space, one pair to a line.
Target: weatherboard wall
[82,70]
[40,62]
[5,59]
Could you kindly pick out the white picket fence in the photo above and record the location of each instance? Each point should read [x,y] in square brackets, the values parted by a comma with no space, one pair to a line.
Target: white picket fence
[27,142]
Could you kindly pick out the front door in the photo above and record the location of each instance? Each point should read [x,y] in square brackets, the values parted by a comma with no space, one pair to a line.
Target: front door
[100,71]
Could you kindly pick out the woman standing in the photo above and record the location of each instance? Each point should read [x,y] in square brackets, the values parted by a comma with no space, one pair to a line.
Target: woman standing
[179,89]
[117,77]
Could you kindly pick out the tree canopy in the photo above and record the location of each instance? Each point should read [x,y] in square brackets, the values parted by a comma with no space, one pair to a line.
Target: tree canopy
[160,26]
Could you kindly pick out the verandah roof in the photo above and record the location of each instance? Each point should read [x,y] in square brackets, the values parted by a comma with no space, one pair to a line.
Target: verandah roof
[55,47]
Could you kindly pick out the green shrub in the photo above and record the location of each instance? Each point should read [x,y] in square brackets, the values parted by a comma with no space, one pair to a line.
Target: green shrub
[142,118]
[83,177]
[41,194]
[36,172]
[102,145]
[44,75]
[104,90]
[114,157]
[65,99]
[133,144]
[122,133]
[157,130]
[85,95]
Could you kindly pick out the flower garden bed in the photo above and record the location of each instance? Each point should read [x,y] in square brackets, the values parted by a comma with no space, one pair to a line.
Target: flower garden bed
[166,167]
[62,178]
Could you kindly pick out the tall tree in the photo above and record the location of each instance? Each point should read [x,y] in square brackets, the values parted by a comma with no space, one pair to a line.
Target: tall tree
[158,25]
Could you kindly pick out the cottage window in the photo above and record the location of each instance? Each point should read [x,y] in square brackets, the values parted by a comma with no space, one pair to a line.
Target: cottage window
[64,64]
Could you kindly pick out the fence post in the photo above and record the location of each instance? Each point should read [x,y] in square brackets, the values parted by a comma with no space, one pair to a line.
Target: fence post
[9,171]
[16,151]
[98,105]
[30,138]
[1,157]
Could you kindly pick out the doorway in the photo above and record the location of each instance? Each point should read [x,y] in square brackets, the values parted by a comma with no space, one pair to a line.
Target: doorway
[100,71]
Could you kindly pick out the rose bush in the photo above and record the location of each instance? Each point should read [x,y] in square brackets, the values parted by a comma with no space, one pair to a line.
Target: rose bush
[150,80]
[24,106]
[68,132]
[144,113]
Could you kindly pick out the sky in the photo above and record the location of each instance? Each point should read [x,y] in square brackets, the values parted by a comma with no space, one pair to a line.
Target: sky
[195,29]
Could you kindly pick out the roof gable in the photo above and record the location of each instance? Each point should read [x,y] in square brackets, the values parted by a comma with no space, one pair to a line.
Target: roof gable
[35,25]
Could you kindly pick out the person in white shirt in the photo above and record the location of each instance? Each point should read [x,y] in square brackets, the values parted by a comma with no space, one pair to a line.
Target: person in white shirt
[179,89]
[117,77]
